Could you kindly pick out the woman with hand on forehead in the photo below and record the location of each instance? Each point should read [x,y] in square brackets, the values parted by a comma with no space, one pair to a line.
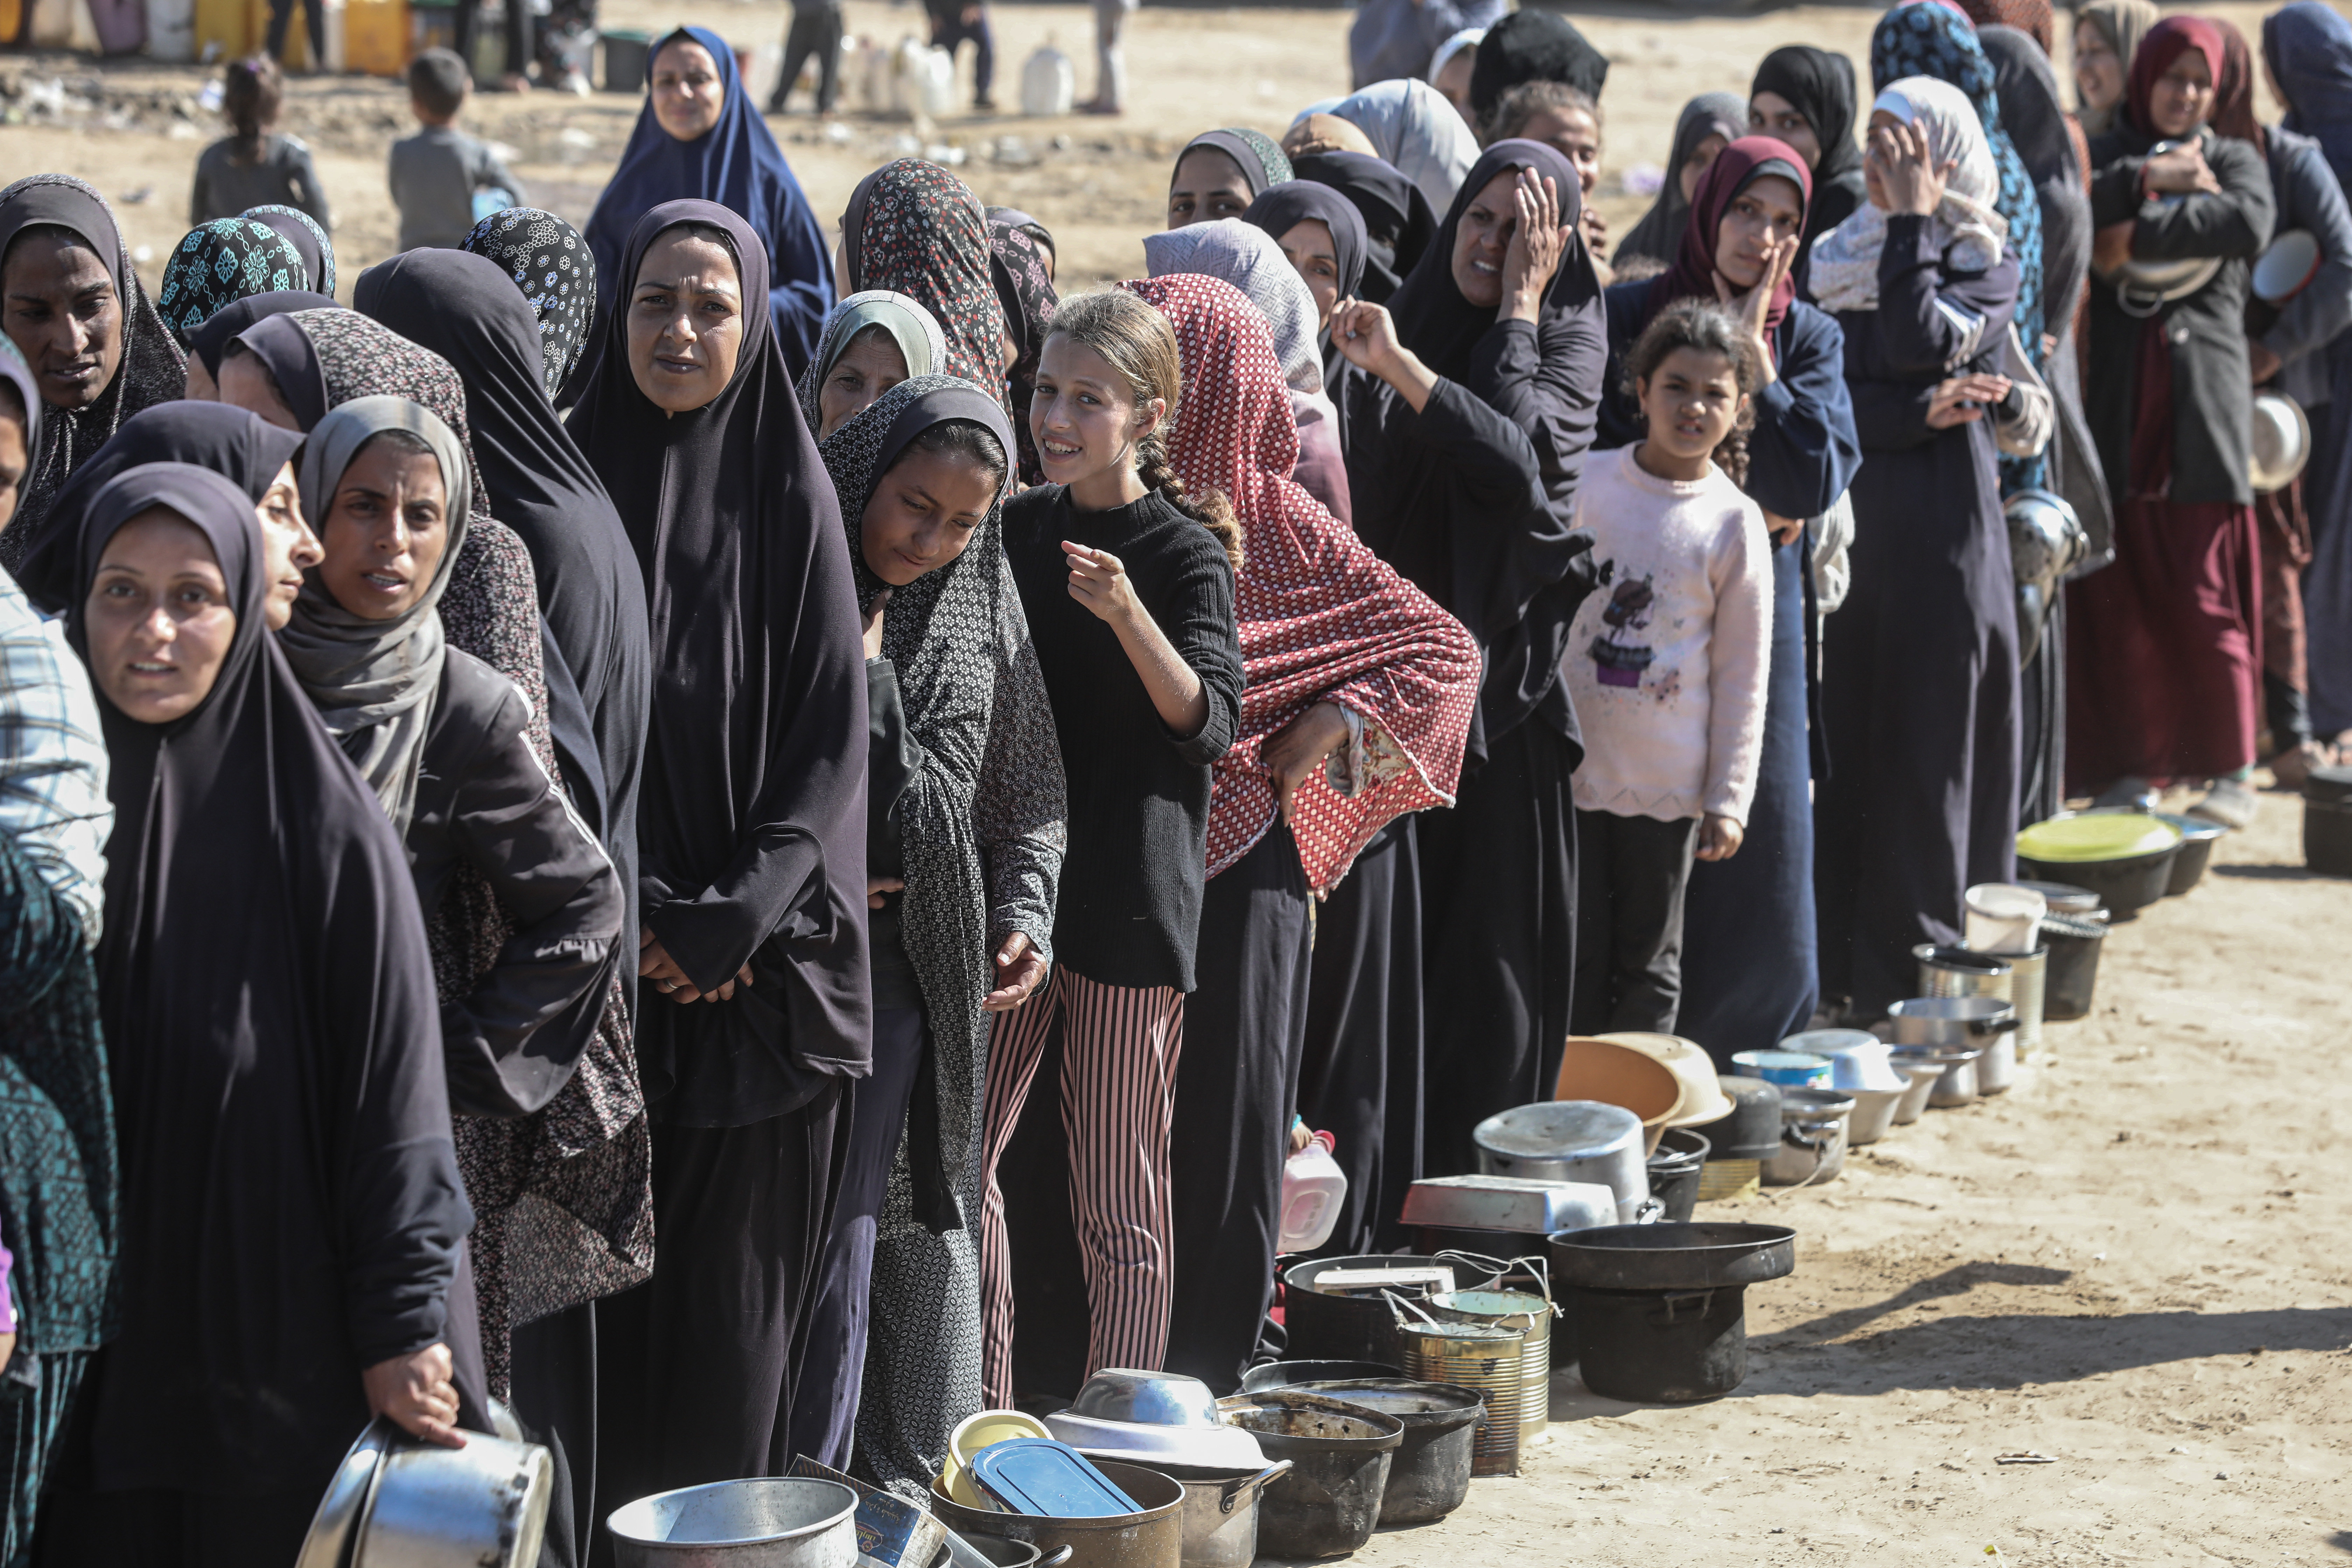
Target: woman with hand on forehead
[1748,963]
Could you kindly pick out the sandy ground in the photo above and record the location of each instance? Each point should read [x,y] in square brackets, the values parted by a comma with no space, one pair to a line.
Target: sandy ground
[2134,1263]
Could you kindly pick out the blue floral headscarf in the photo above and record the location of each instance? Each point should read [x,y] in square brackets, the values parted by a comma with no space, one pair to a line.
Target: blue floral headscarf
[303,232]
[220,262]
[1926,37]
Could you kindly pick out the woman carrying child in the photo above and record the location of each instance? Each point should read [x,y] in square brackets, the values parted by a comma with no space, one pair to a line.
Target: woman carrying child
[1669,669]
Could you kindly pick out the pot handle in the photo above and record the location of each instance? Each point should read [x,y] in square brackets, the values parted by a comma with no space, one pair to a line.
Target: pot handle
[1674,1301]
[1649,1211]
[1056,1558]
[1997,1027]
[1398,1306]
[1234,1490]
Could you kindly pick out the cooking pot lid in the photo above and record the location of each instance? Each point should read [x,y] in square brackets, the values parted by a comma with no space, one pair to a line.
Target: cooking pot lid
[1559,1128]
[2281,444]
[1047,1480]
[2090,837]
[2285,265]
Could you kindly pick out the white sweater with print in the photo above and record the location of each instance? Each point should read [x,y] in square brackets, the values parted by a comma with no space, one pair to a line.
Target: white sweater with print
[1670,655]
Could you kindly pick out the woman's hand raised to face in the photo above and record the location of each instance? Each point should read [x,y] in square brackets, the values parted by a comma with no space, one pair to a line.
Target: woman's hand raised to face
[1538,242]
[1019,967]
[1907,170]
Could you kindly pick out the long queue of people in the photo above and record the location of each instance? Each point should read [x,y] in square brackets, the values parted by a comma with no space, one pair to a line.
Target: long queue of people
[746,853]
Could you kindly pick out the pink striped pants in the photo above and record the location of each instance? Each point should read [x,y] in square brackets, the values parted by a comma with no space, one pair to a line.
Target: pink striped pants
[1119,1045]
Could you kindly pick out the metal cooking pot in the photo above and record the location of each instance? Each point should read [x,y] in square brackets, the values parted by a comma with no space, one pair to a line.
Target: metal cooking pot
[1151,1539]
[2046,542]
[2282,443]
[1430,1476]
[1968,1021]
[1220,1511]
[1569,1141]
[778,1521]
[398,1502]
[1812,1138]
[1957,1084]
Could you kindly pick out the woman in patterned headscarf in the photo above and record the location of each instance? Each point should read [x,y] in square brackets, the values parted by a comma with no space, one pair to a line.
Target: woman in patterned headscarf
[1929,39]
[1024,271]
[58,240]
[227,259]
[1356,702]
[913,227]
[556,272]
[964,807]
[303,233]
[1220,173]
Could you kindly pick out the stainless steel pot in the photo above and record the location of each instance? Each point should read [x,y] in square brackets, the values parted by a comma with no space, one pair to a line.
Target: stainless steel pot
[1874,1112]
[1957,1084]
[1958,1021]
[778,1521]
[398,1502]
[1220,1512]
[1912,1103]
[1963,971]
[1812,1138]
[1569,1141]
[1997,1069]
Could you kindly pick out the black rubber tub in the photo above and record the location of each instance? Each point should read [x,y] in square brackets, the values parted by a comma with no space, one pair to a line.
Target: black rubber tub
[2198,837]
[1340,1456]
[2126,885]
[1674,1172]
[1658,1311]
[1431,1473]
[1343,1328]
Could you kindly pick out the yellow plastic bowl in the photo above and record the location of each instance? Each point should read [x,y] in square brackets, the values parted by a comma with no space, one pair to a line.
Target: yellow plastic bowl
[973,1434]
[2096,836]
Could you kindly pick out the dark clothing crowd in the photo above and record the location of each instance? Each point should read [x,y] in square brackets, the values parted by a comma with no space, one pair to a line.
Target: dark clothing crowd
[716,850]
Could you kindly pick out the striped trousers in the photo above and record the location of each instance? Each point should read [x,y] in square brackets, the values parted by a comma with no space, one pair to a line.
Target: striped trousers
[1119,1045]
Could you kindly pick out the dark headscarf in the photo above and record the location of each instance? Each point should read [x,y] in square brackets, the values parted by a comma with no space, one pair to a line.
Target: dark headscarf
[232,318]
[242,448]
[225,259]
[2036,118]
[1927,37]
[287,352]
[270,1013]
[913,227]
[2124,23]
[467,310]
[2309,48]
[1660,232]
[1534,46]
[1284,207]
[2166,42]
[1260,158]
[1820,85]
[302,231]
[552,268]
[150,370]
[737,165]
[1016,219]
[1398,223]
[751,825]
[1017,263]
[1739,166]
[2031,17]
[1433,319]
[2233,90]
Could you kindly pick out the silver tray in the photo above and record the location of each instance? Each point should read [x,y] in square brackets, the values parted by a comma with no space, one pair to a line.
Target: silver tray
[1508,1203]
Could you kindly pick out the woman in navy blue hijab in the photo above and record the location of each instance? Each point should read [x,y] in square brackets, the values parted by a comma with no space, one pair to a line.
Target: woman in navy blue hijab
[698,137]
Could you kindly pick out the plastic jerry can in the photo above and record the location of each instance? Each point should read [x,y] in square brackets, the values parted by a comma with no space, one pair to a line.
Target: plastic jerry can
[1049,84]
[1313,1187]
[375,36]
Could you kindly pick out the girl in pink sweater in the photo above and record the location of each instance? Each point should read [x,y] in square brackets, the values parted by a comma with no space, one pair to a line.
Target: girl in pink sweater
[1667,664]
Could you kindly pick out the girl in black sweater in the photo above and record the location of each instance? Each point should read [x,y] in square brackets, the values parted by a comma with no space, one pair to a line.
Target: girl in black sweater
[1127,583]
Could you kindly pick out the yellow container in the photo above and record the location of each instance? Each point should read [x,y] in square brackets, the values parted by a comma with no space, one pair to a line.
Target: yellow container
[229,29]
[375,36]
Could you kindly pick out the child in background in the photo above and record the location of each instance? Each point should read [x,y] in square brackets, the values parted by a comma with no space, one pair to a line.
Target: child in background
[1568,120]
[1667,664]
[253,166]
[437,173]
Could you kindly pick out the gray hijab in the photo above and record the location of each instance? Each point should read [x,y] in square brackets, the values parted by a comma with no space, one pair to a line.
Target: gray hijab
[911,326]
[1248,257]
[375,682]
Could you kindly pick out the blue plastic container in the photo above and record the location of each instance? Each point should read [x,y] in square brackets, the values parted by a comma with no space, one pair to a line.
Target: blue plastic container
[1789,1069]
[1040,1476]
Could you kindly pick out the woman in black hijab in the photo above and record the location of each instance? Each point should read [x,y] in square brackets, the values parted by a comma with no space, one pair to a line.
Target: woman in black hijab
[292,1217]
[1806,97]
[251,455]
[1533,46]
[1322,237]
[467,311]
[752,848]
[1398,223]
[1707,124]
[1465,444]
[97,350]
[205,344]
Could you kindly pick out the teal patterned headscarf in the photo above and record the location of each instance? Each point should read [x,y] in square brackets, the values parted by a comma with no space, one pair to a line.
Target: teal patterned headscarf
[223,261]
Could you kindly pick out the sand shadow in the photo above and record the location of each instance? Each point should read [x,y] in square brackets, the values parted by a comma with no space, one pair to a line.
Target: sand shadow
[2268,873]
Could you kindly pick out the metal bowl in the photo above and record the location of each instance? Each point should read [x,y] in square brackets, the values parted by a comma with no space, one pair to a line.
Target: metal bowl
[2282,443]
[396,1499]
[1145,1443]
[1148,1398]
[769,1522]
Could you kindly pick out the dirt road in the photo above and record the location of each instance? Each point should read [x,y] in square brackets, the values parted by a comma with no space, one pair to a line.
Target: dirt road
[2136,1263]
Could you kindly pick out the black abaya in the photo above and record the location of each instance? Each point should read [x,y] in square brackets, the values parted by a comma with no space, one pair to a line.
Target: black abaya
[1234,1100]
[751,842]
[292,1210]
[467,309]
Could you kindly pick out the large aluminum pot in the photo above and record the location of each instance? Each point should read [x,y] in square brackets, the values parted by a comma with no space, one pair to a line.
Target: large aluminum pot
[1569,1141]
[1956,1021]
[398,1502]
[782,1522]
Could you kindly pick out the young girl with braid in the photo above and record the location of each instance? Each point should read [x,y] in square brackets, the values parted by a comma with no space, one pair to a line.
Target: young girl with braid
[1127,583]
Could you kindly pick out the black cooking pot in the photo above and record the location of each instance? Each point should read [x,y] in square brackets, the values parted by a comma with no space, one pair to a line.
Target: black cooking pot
[1674,1172]
[1752,1130]
[1658,1311]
